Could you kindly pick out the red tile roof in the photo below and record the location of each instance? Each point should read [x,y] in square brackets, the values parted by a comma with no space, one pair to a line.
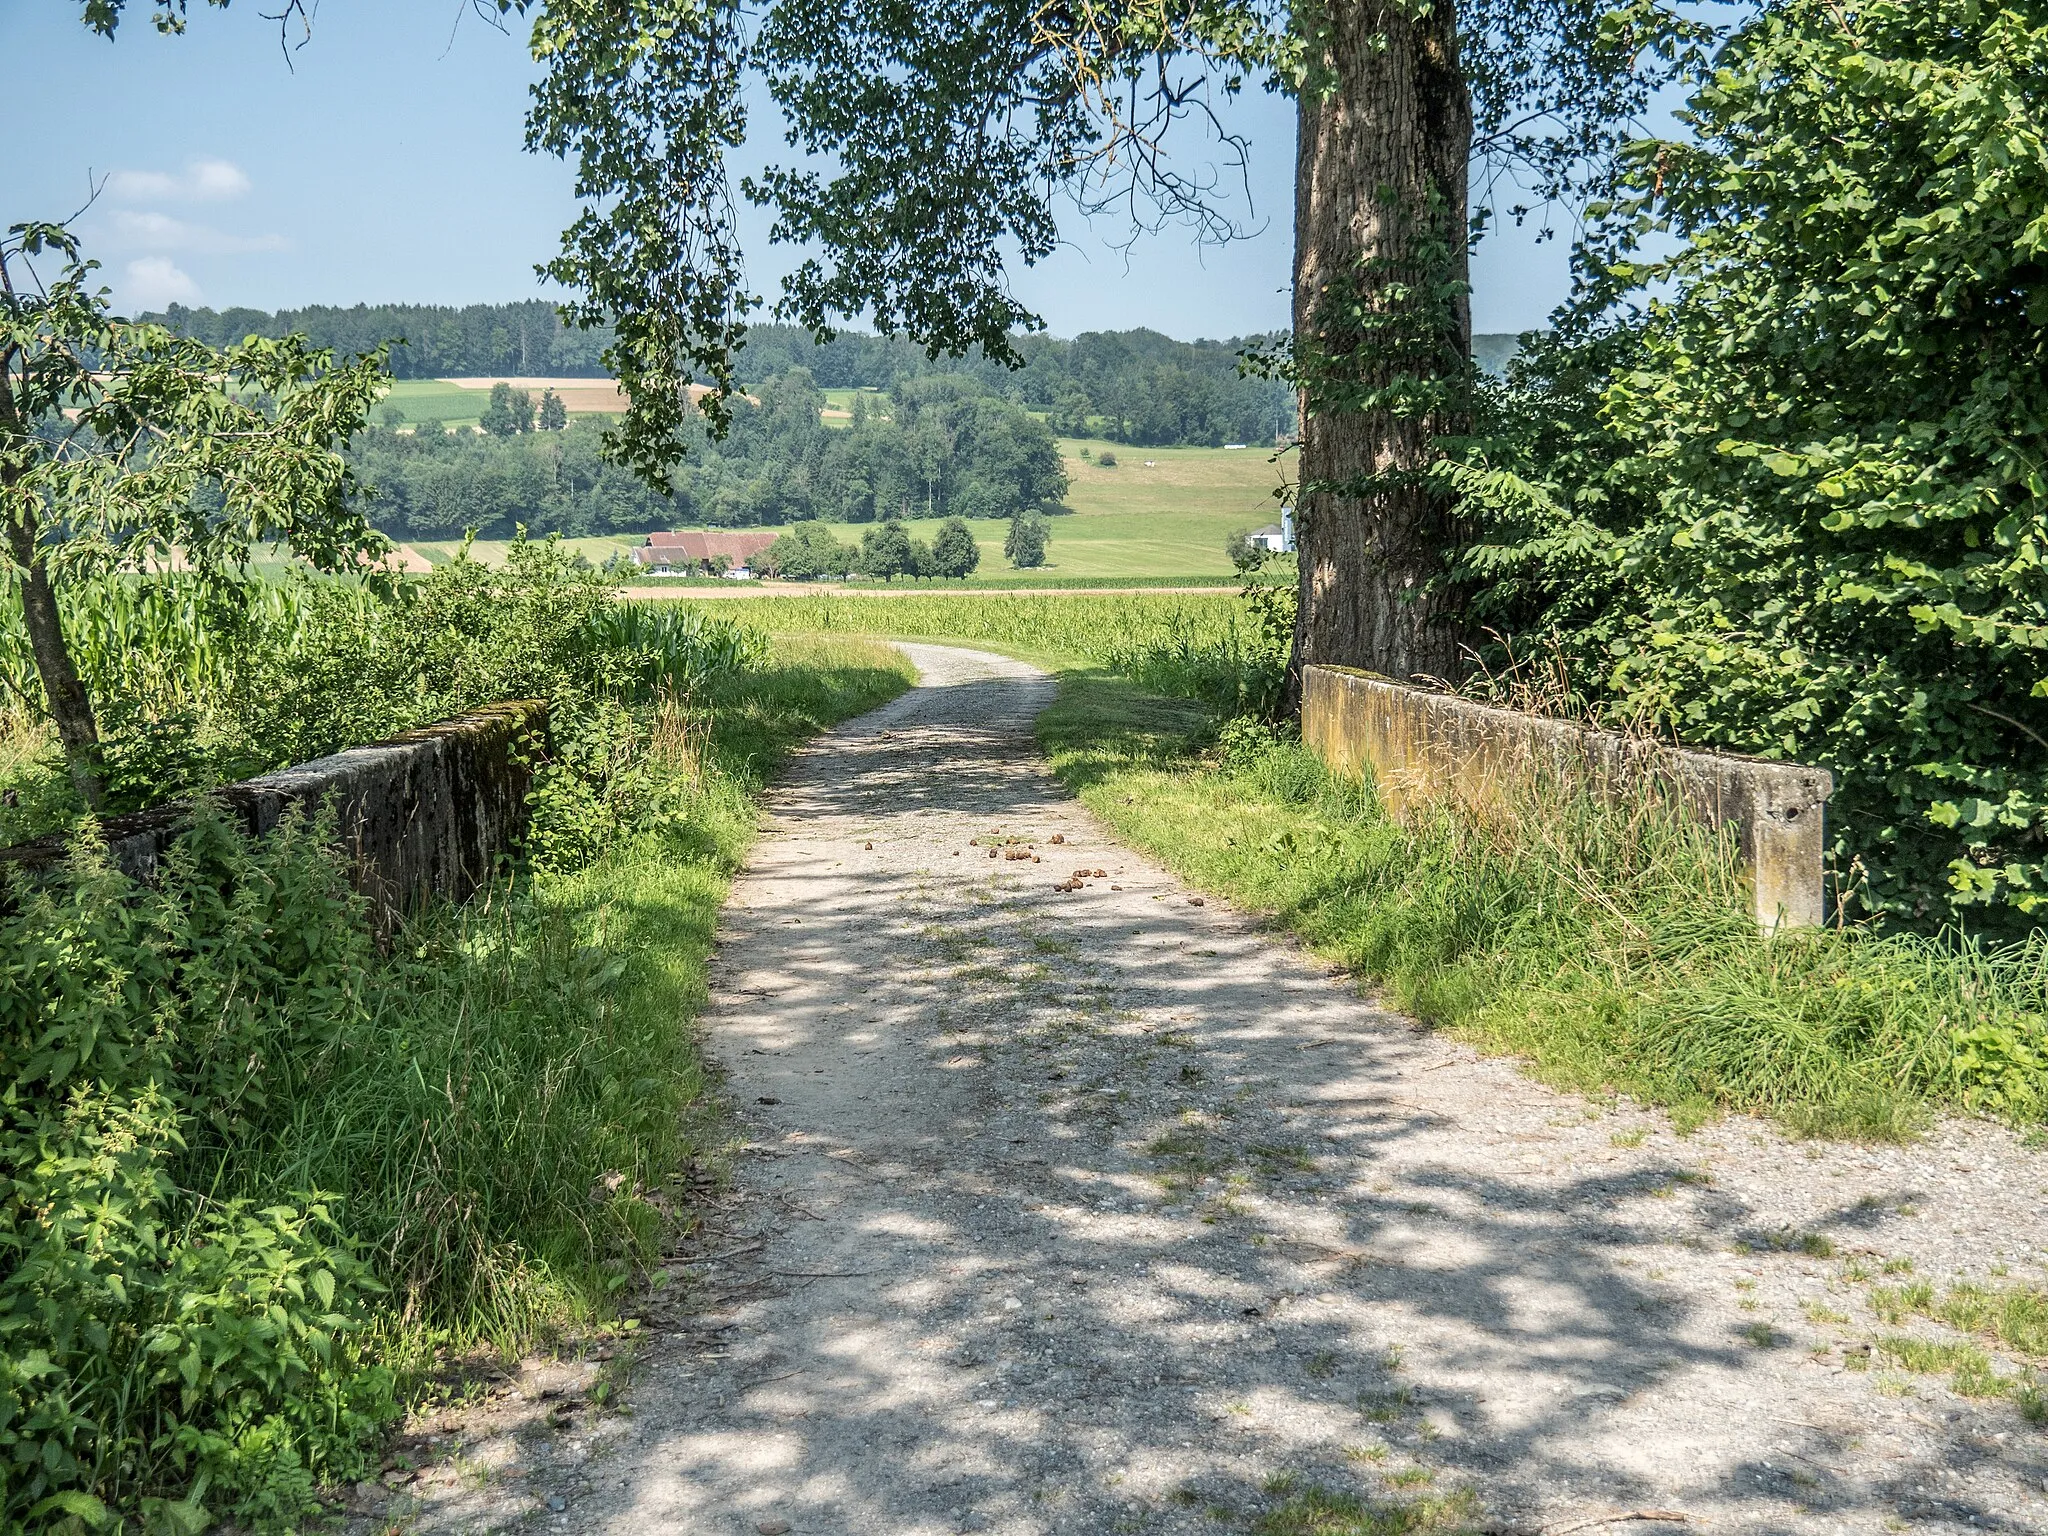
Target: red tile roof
[697,546]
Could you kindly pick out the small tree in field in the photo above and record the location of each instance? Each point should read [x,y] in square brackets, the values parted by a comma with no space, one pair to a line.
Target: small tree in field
[885,551]
[108,428]
[954,552]
[554,415]
[1024,545]
[808,551]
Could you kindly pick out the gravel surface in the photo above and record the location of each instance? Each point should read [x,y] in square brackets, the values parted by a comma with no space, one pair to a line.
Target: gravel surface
[1107,1209]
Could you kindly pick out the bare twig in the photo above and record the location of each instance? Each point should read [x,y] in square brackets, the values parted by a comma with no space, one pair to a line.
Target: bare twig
[2015,724]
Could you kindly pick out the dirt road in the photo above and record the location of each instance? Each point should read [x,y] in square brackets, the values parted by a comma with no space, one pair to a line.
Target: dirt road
[1099,1210]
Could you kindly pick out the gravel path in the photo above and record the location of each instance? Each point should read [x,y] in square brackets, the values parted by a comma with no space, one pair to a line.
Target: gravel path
[1101,1210]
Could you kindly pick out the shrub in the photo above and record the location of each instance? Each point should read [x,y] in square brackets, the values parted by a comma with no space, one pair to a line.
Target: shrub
[1790,500]
[211,685]
[168,1338]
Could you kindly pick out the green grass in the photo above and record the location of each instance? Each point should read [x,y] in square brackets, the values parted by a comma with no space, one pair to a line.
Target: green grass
[1166,522]
[516,1207]
[2015,1317]
[503,1111]
[596,549]
[1168,518]
[1315,1512]
[1611,954]
[449,404]
[839,404]
[1058,630]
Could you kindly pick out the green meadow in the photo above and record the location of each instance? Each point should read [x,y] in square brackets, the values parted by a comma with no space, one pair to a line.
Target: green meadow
[1156,513]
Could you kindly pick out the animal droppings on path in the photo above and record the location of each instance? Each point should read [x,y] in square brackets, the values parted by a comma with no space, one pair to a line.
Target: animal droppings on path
[1065,1218]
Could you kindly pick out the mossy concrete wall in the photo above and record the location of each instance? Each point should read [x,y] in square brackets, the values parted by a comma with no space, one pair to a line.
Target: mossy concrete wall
[1417,744]
[424,814]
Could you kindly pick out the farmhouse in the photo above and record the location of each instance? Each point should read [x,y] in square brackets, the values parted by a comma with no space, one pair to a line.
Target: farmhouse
[696,550]
[1276,538]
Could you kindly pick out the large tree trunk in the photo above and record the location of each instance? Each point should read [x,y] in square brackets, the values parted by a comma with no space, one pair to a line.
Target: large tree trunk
[1379,304]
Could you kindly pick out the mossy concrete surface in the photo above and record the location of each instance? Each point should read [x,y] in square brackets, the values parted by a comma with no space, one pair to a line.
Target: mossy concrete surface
[1418,745]
[426,813]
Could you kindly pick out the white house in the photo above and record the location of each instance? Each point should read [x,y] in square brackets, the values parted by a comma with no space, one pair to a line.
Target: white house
[1275,538]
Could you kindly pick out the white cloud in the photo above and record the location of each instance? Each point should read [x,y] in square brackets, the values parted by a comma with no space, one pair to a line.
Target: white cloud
[154,281]
[161,232]
[202,181]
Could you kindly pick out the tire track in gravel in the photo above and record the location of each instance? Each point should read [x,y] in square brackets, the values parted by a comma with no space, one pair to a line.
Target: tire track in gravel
[1097,1210]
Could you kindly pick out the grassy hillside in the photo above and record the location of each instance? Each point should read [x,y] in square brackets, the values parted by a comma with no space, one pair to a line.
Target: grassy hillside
[1158,512]
[455,406]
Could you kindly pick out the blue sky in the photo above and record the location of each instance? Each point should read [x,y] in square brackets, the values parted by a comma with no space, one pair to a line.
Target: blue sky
[383,163]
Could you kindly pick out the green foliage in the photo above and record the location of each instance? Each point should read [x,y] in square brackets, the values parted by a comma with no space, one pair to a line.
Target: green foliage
[887,551]
[431,484]
[1316,1512]
[494,1109]
[214,683]
[808,551]
[1133,386]
[1024,544]
[955,450]
[1063,629]
[509,413]
[161,1342]
[554,415]
[1795,503]
[953,552]
[155,446]
[525,338]
[962,451]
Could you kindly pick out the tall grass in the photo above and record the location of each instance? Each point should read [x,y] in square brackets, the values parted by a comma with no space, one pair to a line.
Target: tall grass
[1203,646]
[1061,629]
[195,684]
[521,1091]
[263,1174]
[1613,949]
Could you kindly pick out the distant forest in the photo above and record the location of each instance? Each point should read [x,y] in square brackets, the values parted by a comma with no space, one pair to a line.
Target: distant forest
[1135,387]
[938,446]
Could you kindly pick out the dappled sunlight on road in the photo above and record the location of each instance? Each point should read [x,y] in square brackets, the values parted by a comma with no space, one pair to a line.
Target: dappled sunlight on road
[1094,1210]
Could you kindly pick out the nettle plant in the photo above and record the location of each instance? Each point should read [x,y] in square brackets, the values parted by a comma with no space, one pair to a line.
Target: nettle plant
[1784,489]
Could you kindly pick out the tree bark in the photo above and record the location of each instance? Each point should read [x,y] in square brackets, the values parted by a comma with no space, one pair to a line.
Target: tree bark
[1380,210]
[69,704]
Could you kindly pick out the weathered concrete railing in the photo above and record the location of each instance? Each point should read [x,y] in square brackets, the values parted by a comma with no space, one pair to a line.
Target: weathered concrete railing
[423,814]
[1419,744]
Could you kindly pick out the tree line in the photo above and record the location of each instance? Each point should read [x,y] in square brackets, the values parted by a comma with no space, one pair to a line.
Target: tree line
[937,447]
[1136,386]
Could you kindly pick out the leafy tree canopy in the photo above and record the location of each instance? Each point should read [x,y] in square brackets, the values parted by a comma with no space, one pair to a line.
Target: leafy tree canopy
[125,446]
[1786,489]
[941,141]
[954,552]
